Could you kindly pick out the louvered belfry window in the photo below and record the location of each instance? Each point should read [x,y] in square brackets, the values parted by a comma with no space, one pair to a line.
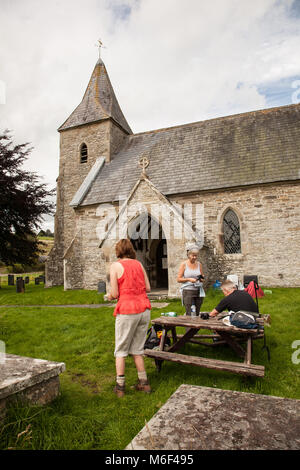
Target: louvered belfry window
[83,153]
[231,230]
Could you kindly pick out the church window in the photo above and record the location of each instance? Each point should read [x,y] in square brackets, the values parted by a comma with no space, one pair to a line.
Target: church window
[83,153]
[231,231]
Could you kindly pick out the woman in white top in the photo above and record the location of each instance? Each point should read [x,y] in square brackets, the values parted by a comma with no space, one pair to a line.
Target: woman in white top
[188,275]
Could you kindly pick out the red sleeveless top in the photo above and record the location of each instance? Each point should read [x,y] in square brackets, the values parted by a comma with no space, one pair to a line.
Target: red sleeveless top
[132,289]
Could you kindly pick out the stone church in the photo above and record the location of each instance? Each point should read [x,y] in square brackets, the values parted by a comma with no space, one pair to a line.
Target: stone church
[229,184]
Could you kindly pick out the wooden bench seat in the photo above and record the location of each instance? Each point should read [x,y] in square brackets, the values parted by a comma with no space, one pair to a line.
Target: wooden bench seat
[239,368]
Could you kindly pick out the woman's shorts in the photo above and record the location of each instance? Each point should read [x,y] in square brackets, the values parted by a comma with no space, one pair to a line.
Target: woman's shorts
[130,333]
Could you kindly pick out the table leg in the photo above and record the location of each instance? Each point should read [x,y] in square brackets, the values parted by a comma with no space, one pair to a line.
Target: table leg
[249,351]
[163,339]
[181,342]
[174,335]
[232,343]
[158,363]
[177,344]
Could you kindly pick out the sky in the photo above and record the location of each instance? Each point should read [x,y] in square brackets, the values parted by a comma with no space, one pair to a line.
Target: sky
[170,62]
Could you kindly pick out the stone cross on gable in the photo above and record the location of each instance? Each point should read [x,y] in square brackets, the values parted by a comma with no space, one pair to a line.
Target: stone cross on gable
[144,163]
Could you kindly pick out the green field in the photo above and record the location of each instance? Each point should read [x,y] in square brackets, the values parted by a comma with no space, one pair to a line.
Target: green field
[87,415]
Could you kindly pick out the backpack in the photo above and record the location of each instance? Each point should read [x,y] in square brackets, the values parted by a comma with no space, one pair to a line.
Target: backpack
[243,319]
[153,337]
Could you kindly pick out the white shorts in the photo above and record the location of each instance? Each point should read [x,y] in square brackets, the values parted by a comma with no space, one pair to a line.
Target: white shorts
[130,333]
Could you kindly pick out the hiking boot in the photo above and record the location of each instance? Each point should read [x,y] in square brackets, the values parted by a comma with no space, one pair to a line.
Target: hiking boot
[143,386]
[119,390]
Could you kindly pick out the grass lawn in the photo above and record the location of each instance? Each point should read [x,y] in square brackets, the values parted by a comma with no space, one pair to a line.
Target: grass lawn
[87,415]
[38,295]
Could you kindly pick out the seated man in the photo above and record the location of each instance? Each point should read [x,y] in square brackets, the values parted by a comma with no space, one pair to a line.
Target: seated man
[234,300]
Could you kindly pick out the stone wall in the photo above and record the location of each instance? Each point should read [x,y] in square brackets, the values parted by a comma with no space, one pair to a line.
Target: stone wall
[269,219]
[72,172]
[117,138]
[54,265]
[102,139]
[73,264]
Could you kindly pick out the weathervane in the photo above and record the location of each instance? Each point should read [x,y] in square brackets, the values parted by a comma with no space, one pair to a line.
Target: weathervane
[99,45]
[144,163]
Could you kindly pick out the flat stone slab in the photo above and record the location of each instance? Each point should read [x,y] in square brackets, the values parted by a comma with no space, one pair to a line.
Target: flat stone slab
[159,304]
[18,374]
[202,418]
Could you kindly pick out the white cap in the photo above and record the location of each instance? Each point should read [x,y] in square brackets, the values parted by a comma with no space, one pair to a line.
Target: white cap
[192,247]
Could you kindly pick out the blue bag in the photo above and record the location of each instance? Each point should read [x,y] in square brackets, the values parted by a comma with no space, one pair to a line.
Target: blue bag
[242,319]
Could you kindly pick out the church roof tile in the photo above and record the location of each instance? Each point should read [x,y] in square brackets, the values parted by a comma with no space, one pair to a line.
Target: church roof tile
[245,149]
[99,102]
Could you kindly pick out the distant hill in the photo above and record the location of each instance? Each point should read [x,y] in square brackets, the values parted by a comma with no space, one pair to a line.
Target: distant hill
[45,245]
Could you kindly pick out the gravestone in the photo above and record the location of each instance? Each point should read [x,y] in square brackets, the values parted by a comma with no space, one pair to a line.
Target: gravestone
[37,281]
[27,280]
[203,418]
[101,287]
[30,380]
[20,285]
[11,280]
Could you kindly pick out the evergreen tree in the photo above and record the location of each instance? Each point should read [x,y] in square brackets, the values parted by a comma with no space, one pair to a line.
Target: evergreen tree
[23,203]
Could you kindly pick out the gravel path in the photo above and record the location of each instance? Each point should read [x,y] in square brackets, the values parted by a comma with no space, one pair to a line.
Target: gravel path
[154,305]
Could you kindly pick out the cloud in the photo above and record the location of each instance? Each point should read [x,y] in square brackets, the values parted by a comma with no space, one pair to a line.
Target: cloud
[187,61]
[170,62]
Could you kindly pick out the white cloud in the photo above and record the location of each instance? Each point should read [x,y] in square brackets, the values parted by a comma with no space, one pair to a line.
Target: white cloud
[182,61]
[170,61]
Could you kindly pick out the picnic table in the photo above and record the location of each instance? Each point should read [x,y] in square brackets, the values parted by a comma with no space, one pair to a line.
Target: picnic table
[222,334]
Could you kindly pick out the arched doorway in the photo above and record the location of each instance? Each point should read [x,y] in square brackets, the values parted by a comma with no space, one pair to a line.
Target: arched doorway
[151,252]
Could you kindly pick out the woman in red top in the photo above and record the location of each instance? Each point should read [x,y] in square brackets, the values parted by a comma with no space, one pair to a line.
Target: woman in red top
[129,284]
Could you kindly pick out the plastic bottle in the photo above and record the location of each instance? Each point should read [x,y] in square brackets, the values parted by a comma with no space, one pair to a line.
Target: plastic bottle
[169,314]
[217,285]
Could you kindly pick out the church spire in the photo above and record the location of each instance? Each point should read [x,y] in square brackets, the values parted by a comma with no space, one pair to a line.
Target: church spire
[99,102]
